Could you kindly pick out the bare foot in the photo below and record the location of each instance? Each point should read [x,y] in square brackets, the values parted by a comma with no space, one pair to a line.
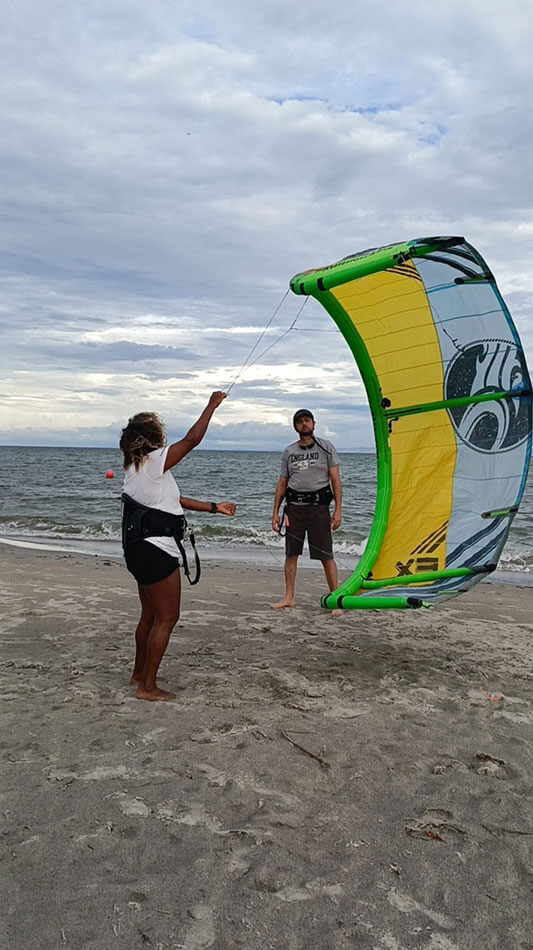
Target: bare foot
[337,613]
[283,603]
[154,694]
[136,678]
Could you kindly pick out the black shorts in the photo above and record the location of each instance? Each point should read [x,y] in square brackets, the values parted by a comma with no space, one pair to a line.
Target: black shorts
[148,563]
[316,521]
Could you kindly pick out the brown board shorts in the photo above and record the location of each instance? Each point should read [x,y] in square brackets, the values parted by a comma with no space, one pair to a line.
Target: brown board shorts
[316,522]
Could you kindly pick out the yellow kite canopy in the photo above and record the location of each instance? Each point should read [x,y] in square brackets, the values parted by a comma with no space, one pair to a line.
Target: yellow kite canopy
[450,397]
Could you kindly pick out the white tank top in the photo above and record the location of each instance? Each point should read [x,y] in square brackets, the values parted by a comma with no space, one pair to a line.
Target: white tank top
[155,488]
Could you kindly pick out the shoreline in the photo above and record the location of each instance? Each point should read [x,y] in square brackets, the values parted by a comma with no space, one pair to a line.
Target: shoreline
[265,558]
[318,782]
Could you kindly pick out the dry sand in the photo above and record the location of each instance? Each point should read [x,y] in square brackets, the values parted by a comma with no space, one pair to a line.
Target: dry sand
[318,783]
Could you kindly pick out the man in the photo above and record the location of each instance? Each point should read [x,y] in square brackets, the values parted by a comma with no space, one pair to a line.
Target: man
[309,480]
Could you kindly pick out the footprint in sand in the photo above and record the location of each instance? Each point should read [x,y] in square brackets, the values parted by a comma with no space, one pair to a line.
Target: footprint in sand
[408,905]
[290,893]
[201,932]
[133,807]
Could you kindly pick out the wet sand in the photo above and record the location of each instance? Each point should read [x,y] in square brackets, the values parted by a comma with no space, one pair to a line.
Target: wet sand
[361,782]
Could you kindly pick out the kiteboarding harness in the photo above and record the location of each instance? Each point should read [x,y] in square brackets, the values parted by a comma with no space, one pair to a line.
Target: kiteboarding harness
[140,523]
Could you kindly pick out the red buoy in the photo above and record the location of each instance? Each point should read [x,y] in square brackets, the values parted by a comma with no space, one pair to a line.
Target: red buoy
[110,473]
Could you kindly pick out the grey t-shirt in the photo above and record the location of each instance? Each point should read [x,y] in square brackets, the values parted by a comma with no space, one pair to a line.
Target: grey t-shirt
[308,469]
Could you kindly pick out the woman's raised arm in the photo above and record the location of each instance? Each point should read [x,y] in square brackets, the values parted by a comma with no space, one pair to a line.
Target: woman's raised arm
[194,436]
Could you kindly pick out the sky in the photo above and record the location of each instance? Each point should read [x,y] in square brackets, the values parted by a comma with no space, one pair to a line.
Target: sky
[166,168]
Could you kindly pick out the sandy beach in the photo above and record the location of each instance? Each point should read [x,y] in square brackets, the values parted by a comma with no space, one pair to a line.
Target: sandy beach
[361,782]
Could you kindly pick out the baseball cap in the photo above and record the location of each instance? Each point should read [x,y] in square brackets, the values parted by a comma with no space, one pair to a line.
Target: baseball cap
[302,412]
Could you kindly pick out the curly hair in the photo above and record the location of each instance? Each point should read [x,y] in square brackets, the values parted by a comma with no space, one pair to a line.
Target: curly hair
[143,433]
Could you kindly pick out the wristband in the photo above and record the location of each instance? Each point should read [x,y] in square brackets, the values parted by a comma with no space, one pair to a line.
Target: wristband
[213,508]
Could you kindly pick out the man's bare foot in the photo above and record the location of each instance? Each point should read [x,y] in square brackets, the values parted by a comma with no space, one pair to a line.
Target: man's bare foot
[136,679]
[283,603]
[154,694]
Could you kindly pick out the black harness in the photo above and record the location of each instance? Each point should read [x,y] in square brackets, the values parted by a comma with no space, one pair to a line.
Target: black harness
[140,522]
[323,496]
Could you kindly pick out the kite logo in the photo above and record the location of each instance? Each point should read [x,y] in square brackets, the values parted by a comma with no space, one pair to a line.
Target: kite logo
[417,565]
[423,558]
[484,367]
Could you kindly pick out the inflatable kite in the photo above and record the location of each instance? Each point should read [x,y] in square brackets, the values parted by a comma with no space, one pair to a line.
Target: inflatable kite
[450,397]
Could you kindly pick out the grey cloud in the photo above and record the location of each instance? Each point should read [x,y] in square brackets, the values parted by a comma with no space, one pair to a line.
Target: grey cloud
[123,351]
[172,166]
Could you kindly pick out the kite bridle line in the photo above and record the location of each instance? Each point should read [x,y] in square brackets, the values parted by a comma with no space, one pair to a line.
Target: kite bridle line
[257,342]
[248,361]
[285,332]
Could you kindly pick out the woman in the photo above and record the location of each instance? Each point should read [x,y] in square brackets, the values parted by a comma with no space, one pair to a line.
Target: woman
[153,561]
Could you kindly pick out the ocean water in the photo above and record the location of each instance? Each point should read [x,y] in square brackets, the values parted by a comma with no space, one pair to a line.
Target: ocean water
[61,497]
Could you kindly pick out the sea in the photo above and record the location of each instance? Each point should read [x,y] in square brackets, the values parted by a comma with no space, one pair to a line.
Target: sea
[63,499]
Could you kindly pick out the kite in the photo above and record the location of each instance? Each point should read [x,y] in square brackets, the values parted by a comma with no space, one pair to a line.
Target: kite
[450,397]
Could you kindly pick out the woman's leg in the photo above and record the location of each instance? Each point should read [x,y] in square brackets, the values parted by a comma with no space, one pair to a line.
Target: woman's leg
[141,634]
[163,598]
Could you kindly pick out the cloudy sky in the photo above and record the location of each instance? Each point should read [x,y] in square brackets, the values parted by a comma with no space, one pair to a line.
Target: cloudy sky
[166,168]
